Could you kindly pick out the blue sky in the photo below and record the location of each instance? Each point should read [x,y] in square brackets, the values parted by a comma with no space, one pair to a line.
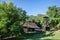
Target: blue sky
[34,7]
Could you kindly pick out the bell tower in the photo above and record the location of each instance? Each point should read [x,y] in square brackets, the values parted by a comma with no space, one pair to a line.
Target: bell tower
[45,24]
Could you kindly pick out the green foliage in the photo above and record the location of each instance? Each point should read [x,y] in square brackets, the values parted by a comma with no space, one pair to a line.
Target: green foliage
[54,16]
[37,19]
[53,12]
[11,18]
[58,25]
[53,22]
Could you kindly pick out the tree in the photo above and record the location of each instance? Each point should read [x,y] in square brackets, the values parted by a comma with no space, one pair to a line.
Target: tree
[37,19]
[52,11]
[11,19]
[54,16]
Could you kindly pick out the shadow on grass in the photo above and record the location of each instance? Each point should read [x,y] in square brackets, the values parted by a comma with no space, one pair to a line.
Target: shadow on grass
[35,36]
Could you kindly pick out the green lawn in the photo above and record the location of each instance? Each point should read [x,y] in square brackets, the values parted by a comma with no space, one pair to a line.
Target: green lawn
[55,35]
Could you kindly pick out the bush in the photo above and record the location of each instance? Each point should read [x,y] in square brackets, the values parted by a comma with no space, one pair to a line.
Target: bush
[58,25]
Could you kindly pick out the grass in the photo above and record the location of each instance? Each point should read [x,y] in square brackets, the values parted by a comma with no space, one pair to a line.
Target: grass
[41,36]
[56,35]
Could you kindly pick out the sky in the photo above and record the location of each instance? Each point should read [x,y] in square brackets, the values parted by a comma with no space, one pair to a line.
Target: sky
[34,7]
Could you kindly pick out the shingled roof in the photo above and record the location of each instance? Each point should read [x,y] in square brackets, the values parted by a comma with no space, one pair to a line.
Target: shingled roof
[30,25]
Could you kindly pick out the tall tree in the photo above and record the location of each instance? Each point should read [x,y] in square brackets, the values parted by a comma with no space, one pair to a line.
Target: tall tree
[11,18]
[54,15]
